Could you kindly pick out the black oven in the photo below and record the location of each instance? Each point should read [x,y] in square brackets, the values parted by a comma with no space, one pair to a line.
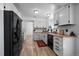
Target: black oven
[50,41]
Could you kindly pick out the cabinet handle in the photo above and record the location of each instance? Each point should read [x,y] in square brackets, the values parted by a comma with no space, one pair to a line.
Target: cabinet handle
[56,46]
[57,49]
[57,42]
[68,21]
[4,7]
[68,6]
[56,39]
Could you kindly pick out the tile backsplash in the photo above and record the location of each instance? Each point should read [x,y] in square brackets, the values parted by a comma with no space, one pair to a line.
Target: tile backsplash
[67,29]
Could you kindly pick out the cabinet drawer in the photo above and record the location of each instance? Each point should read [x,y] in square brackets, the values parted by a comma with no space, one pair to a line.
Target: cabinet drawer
[56,42]
[56,46]
[56,38]
[57,49]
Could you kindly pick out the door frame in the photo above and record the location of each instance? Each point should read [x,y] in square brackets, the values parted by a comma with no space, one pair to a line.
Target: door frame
[30,21]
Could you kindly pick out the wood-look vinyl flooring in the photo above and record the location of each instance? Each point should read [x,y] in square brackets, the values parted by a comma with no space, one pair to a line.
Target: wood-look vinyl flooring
[30,48]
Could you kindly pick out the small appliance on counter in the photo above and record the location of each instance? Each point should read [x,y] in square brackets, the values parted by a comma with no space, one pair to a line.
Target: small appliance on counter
[67,32]
[60,31]
[72,34]
[49,29]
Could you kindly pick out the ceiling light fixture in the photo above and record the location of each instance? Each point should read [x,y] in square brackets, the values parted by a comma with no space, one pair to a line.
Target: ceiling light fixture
[51,16]
[48,15]
[36,11]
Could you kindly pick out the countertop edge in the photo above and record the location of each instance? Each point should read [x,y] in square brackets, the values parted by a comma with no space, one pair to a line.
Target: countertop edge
[55,34]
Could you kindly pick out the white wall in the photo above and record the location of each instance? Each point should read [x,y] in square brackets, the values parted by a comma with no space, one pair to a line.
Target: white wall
[1,31]
[11,7]
[38,22]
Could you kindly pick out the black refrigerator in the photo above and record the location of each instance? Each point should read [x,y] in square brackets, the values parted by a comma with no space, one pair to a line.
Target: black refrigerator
[12,34]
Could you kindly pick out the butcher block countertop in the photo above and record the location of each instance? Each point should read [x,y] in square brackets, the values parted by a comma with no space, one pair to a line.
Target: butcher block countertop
[42,32]
[55,34]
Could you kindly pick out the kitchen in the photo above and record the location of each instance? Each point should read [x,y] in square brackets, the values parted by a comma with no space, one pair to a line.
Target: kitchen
[46,29]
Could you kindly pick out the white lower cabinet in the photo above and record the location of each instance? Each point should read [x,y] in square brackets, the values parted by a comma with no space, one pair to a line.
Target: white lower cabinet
[40,36]
[45,38]
[35,36]
[69,46]
[64,46]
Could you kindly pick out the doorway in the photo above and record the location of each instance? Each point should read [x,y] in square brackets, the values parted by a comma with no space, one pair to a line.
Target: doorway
[27,48]
[27,28]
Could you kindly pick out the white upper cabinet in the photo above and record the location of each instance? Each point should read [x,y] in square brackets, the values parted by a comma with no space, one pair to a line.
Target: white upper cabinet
[56,18]
[65,15]
[40,23]
[72,13]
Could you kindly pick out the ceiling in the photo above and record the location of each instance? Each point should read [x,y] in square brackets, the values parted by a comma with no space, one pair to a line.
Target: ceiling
[26,9]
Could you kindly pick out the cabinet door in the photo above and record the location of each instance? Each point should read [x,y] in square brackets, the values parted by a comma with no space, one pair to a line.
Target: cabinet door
[45,38]
[56,18]
[64,16]
[35,36]
[39,36]
[69,46]
[72,15]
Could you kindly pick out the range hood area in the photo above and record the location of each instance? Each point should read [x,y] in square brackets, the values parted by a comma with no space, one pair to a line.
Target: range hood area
[65,25]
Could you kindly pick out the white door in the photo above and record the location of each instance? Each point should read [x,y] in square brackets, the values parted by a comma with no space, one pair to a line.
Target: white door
[27,28]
